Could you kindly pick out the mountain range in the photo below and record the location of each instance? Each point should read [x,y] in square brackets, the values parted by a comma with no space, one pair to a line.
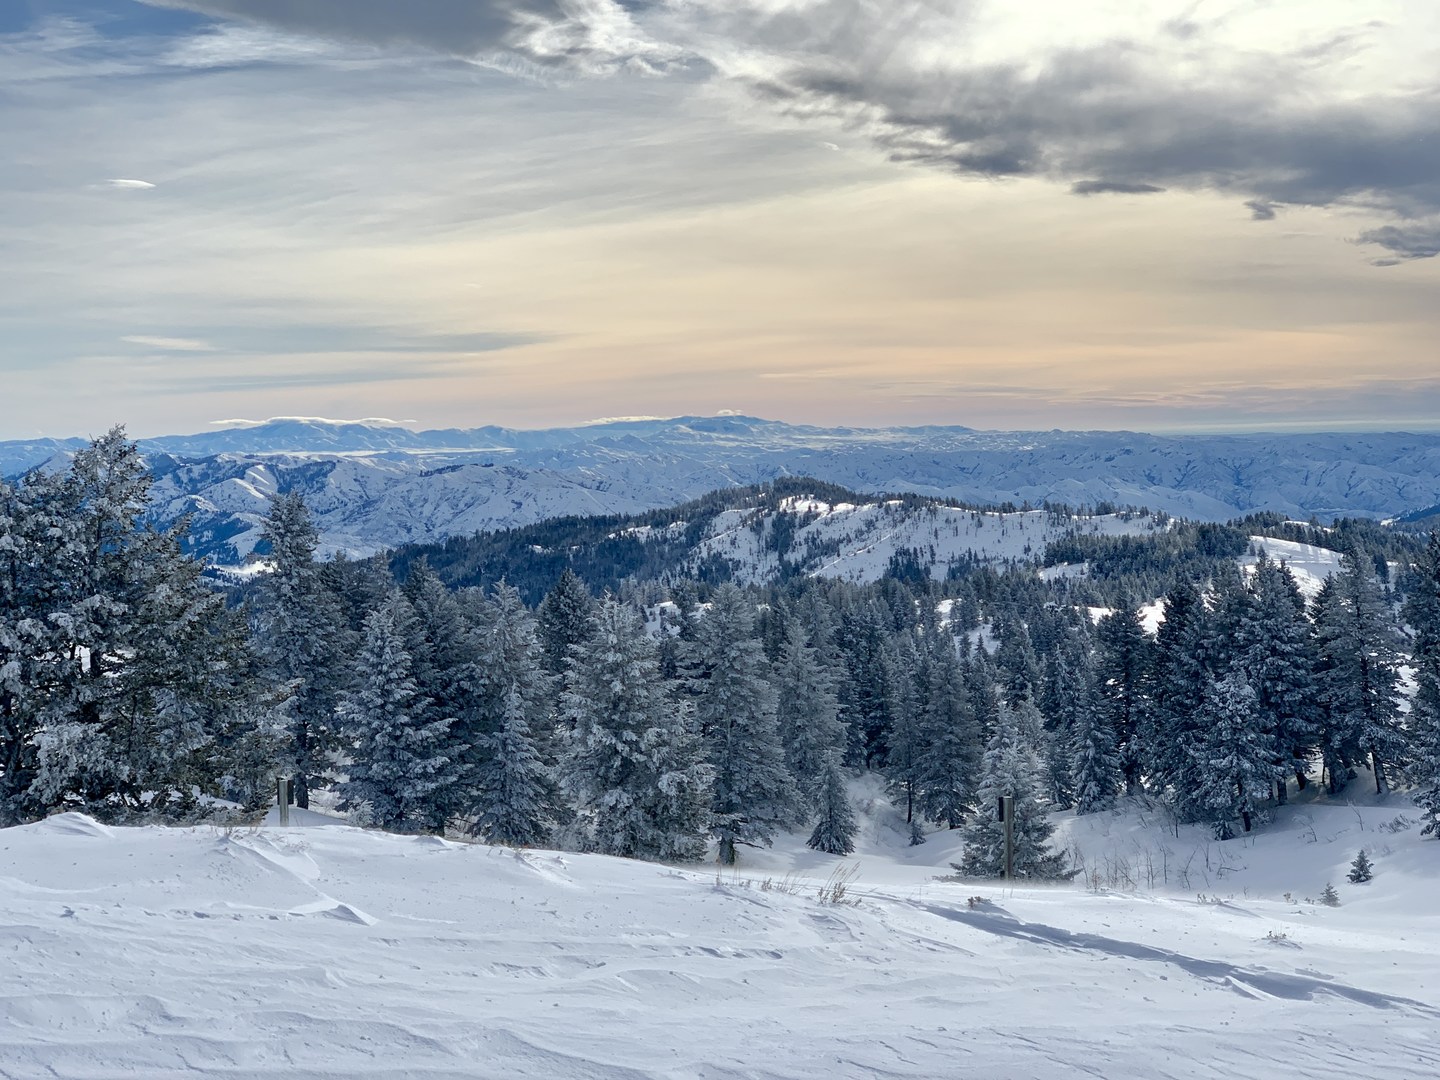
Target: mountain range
[374,485]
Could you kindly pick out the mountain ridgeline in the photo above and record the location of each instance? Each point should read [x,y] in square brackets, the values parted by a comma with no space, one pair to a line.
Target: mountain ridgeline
[373,485]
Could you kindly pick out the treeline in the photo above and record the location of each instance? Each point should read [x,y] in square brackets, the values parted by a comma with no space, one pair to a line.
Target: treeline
[129,688]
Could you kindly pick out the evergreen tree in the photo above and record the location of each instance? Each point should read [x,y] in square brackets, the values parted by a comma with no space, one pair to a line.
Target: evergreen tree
[1180,679]
[835,829]
[735,709]
[508,689]
[302,633]
[1358,677]
[1361,870]
[133,661]
[1274,649]
[1096,761]
[905,753]
[398,769]
[949,764]
[1123,672]
[807,714]
[565,619]
[1422,613]
[1236,770]
[1010,767]
[867,698]
[633,761]
[514,803]
[1018,665]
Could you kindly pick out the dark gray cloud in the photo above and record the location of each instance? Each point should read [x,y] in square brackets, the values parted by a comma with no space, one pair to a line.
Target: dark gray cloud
[1112,187]
[1266,127]
[1417,240]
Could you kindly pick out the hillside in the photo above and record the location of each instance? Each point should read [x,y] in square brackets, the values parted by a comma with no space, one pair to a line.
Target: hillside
[769,533]
[330,952]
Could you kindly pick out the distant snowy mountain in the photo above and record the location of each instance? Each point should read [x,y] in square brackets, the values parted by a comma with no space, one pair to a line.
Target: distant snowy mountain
[376,485]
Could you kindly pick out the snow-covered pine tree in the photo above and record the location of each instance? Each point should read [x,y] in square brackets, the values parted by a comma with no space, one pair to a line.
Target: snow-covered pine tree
[1274,648]
[1123,671]
[835,827]
[398,768]
[1361,869]
[138,660]
[949,766]
[515,798]
[807,714]
[508,673]
[865,697]
[633,763]
[565,619]
[1422,615]
[735,710]
[94,514]
[1010,767]
[1236,770]
[1179,681]
[1017,663]
[304,641]
[678,802]
[1358,676]
[1095,763]
[26,636]
[190,671]
[906,750]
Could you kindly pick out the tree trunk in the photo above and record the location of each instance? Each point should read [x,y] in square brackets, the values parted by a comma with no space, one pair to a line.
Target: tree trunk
[1382,784]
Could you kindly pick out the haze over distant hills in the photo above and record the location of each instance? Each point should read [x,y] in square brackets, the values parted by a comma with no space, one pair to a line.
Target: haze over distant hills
[375,484]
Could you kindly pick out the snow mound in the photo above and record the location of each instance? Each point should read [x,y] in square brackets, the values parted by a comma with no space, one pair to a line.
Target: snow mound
[73,824]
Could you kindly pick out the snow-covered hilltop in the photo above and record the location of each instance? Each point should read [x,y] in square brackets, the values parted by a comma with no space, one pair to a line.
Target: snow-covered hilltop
[377,485]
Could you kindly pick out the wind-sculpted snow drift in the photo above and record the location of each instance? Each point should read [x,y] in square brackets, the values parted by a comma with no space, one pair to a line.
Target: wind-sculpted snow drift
[335,952]
[374,486]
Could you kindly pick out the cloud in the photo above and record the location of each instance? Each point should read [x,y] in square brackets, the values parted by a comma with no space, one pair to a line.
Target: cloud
[169,344]
[585,35]
[1112,187]
[1169,104]
[1413,240]
[131,185]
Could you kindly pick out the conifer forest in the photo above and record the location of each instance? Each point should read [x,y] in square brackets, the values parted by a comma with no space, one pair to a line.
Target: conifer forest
[665,717]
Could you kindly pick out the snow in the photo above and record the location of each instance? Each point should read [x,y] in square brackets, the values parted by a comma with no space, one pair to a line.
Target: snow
[1311,566]
[334,952]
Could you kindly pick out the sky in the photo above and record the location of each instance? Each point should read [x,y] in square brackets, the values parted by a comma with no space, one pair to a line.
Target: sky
[1137,214]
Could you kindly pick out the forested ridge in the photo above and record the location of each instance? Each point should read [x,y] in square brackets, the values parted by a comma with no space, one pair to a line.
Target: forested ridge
[654,715]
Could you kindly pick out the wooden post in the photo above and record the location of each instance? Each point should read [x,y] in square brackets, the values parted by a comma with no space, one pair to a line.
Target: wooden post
[283,789]
[1007,815]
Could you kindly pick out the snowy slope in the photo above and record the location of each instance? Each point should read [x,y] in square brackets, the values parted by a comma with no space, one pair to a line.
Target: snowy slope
[331,952]
[856,541]
[1311,566]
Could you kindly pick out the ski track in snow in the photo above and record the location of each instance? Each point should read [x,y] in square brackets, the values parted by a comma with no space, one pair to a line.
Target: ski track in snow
[334,952]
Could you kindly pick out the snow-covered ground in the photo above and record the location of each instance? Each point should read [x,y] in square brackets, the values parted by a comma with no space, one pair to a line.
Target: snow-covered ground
[335,952]
[1311,566]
